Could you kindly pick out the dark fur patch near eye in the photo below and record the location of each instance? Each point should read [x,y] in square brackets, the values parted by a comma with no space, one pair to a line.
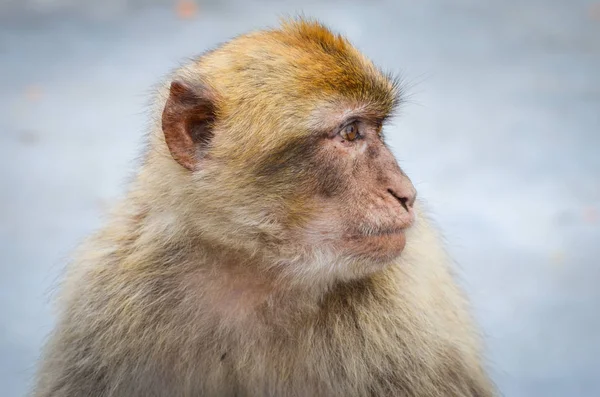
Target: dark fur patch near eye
[300,163]
[287,159]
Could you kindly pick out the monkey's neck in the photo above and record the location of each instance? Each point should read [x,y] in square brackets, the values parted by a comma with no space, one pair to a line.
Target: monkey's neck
[236,284]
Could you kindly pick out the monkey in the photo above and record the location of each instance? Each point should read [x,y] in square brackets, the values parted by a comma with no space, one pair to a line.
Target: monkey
[269,245]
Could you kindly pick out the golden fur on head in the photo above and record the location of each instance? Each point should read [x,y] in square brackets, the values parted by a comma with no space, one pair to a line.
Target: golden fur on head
[269,263]
[287,73]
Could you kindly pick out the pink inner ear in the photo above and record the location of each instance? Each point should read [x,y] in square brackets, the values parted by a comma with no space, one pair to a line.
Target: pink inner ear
[187,123]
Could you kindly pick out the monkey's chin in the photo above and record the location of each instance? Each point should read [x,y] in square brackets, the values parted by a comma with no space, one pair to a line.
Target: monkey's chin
[382,247]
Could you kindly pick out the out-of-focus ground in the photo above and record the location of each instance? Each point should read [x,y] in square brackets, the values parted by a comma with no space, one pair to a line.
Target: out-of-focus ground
[501,135]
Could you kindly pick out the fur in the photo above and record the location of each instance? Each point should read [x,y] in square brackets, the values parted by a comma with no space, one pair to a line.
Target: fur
[210,283]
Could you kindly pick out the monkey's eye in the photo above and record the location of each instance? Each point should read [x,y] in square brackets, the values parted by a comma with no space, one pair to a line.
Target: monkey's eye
[350,132]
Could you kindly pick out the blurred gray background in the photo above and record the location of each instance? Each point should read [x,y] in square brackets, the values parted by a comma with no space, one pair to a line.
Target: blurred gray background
[500,133]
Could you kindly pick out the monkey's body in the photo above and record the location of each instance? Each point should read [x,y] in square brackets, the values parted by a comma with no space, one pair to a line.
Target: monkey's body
[397,333]
[213,280]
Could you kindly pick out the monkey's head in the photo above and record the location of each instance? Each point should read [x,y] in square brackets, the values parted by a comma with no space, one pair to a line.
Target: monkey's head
[277,138]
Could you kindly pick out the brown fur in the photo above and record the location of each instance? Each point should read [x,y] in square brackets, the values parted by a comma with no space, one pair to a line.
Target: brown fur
[255,269]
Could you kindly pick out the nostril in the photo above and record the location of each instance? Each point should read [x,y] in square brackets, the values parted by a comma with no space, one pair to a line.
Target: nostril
[406,202]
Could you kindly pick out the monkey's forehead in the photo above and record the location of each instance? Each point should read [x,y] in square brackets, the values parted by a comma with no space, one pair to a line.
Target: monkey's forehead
[297,65]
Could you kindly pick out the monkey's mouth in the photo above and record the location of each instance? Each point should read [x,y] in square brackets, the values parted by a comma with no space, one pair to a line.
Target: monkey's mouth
[378,232]
[383,244]
[386,232]
[382,236]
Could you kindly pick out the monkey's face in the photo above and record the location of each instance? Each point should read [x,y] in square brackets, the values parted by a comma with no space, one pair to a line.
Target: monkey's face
[366,200]
[345,198]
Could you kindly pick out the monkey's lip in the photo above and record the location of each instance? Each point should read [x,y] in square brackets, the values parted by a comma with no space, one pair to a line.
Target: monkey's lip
[383,243]
[380,233]
[388,232]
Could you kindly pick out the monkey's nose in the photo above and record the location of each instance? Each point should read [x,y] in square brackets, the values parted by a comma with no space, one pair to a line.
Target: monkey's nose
[405,196]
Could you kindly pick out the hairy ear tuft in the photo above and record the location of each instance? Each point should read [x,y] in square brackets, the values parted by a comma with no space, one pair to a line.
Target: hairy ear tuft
[187,122]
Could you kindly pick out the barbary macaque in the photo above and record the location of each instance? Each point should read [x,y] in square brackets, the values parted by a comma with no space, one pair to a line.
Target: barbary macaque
[270,244]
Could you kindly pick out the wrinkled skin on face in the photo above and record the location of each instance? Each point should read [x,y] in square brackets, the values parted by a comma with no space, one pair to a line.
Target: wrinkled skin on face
[351,197]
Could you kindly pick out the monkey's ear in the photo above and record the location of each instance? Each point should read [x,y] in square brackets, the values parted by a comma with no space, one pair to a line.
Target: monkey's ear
[187,122]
